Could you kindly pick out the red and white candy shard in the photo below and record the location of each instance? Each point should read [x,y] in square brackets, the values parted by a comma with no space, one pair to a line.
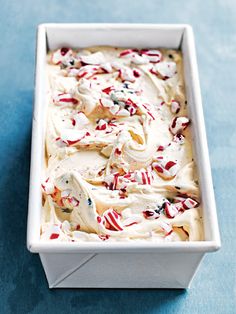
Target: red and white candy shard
[164,69]
[175,106]
[153,56]
[143,176]
[88,71]
[183,204]
[134,56]
[48,187]
[126,74]
[150,214]
[59,55]
[123,113]
[53,232]
[71,137]
[106,102]
[171,210]
[132,110]
[126,52]
[111,181]
[101,125]
[179,124]
[114,109]
[96,58]
[166,170]
[189,203]
[167,229]
[72,72]
[80,120]
[64,99]
[112,220]
[104,237]
[179,138]
[69,201]
[106,67]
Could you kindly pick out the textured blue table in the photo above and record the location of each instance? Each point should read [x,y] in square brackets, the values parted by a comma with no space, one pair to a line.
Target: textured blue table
[23,286]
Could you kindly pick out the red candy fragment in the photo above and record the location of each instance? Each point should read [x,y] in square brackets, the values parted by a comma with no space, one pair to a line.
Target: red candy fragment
[104,237]
[151,214]
[54,236]
[108,90]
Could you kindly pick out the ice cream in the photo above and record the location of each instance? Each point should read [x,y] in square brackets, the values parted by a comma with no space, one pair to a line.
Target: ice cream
[119,164]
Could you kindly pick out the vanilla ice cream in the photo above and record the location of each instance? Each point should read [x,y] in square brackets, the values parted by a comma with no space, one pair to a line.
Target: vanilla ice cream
[119,164]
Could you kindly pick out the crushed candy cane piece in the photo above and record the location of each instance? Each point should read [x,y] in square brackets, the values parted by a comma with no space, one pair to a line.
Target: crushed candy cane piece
[64,99]
[175,106]
[189,203]
[48,187]
[166,170]
[143,176]
[101,125]
[81,120]
[71,137]
[114,109]
[126,74]
[153,56]
[170,210]
[96,58]
[59,55]
[167,228]
[179,124]
[112,220]
[151,214]
[164,69]
[88,71]
[54,236]
[106,102]
[108,90]
[179,138]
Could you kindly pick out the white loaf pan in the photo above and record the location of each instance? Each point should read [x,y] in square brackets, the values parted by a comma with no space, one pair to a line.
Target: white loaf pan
[120,265]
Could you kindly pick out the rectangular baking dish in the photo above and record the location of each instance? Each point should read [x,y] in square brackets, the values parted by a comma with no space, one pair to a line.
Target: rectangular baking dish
[120,265]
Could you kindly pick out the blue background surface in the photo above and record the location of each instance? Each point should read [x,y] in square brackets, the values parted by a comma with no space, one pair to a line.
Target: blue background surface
[23,286]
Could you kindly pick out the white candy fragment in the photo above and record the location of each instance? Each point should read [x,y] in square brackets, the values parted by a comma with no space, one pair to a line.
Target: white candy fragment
[126,74]
[164,69]
[175,106]
[106,102]
[81,120]
[96,58]
[114,109]
[153,56]
[60,55]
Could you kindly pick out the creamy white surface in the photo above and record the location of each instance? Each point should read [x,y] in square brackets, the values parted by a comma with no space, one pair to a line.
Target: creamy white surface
[119,164]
